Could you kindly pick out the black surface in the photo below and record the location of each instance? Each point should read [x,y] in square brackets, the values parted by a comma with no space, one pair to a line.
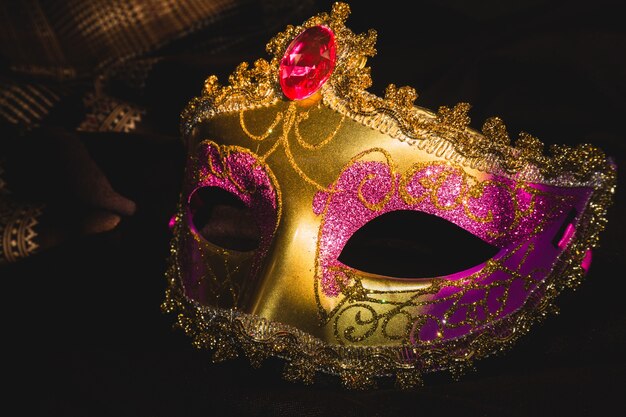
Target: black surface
[83,324]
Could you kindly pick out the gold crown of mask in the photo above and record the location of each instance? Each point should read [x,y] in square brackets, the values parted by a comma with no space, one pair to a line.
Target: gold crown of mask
[297,157]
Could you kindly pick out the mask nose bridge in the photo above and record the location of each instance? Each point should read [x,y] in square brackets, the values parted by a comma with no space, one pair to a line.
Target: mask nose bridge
[284,286]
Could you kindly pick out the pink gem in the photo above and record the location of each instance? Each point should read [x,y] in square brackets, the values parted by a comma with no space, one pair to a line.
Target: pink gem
[308,62]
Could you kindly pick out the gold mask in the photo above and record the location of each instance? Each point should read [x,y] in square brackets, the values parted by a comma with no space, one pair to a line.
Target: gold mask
[302,157]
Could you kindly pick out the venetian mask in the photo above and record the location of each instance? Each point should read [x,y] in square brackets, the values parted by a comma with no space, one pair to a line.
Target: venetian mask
[295,173]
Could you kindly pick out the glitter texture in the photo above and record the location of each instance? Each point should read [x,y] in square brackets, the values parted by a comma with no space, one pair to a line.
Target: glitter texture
[499,211]
[210,271]
[311,173]
[519,218]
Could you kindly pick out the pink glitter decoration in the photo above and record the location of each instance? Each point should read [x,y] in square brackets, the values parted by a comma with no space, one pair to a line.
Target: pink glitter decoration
[346,213]
[241,174]
[519,218]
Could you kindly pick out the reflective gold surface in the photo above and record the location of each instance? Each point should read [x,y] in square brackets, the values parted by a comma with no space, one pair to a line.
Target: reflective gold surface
[304,161]
[348,322]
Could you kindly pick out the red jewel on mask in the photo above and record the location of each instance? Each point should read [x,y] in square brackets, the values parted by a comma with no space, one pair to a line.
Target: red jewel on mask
[308,62]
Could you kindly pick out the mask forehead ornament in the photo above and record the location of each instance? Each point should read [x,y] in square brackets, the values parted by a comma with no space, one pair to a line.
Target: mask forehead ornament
[299,144]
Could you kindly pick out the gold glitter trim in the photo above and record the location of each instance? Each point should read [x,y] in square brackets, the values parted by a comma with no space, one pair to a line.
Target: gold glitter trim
[230,333]
[225,288]
[358,300]
[291,120]
[223,152]
[444,134]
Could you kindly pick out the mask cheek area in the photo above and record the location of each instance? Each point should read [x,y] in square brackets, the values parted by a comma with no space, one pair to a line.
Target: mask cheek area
[444,260]
[228,225]
[517,279]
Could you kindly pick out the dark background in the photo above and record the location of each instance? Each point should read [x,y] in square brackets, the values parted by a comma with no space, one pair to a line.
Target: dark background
[83,325]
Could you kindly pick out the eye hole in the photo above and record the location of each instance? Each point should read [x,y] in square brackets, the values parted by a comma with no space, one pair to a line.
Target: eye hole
[412,244]
[223,219]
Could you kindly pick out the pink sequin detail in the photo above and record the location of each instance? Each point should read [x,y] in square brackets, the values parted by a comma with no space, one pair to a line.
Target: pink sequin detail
[241,174]
[346,213]
[521,219]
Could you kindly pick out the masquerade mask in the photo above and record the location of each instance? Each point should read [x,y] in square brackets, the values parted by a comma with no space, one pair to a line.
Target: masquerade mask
[295,171]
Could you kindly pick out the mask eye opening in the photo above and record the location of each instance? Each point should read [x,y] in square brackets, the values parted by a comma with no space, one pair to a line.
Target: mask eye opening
[223,219]
[414,244]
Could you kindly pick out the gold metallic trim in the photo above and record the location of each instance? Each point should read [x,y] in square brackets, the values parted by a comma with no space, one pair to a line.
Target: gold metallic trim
[444,134]
[230,333]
